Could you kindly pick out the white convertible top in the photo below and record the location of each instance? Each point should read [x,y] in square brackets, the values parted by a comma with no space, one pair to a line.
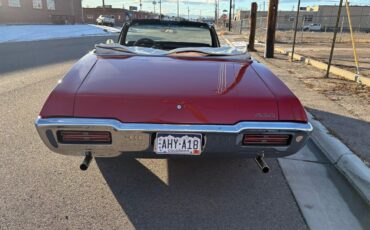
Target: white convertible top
[117,49]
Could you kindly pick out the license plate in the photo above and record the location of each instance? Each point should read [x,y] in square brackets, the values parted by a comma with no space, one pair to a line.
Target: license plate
[178,143]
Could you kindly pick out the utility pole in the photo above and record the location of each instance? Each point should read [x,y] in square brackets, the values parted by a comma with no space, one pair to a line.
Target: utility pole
[216,12]
[178,10]
[233,10]
[334,37]
[295,28]
[218,9]
[188,14]
[252,33]
[141,6]
[231,2]
[103,5]
[271,28]
[160,9]
[82,12]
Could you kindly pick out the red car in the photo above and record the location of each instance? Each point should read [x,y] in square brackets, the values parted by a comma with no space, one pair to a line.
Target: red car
[165,89]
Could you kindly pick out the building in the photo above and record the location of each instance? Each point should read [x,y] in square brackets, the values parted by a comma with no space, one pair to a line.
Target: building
[40,11]
[325,15]
[121,15]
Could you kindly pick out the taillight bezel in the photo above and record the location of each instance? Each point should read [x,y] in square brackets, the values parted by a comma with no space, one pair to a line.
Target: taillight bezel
[261,139]
[93,135]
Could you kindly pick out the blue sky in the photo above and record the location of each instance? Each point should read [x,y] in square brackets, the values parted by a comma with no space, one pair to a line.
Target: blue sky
[207,7]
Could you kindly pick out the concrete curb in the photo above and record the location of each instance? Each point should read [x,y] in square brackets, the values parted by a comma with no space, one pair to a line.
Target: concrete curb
[323,66]
[318,64]
[350,165]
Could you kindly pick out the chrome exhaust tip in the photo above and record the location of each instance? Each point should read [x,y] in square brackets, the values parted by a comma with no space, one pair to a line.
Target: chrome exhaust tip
[86,162]
[262,164]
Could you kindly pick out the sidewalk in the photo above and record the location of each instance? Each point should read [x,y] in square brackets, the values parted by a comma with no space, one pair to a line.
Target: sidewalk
[342,106]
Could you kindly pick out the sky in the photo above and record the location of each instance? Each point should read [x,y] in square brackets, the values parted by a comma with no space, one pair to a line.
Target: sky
[206,8]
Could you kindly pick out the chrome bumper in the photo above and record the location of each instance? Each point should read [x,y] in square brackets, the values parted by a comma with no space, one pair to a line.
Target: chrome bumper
[129,138]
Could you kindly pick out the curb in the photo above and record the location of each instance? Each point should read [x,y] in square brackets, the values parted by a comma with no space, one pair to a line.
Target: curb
[349,164]
[323,66]
[318,64]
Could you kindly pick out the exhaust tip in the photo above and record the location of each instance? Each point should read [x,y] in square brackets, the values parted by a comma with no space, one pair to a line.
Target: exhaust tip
[86,162]
[266,170]
[84,167]
[262,164]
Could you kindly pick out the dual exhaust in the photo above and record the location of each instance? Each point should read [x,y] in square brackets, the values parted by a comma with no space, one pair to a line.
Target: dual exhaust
[259,160]
[262,164]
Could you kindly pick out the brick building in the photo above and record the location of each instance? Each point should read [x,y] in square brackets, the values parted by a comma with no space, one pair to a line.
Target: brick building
[40,11]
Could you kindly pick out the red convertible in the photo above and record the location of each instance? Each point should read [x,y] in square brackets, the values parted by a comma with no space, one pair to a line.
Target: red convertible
[168,88]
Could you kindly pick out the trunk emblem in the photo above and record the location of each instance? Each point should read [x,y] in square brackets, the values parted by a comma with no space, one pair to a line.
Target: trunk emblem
[179,106]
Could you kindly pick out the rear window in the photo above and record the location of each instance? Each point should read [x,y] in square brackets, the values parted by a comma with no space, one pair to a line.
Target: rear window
[172,33]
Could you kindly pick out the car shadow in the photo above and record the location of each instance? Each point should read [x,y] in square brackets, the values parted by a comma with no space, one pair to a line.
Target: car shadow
[17,56]
[200,193]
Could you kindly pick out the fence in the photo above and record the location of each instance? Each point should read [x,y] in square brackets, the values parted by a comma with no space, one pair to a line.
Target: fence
[316,44]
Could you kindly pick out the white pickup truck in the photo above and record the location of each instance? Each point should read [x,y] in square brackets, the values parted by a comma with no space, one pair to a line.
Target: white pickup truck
[107,20]
[312,27]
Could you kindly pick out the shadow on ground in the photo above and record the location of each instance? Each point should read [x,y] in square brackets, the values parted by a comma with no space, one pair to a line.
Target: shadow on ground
[202,193]
[353,132]
[17,56]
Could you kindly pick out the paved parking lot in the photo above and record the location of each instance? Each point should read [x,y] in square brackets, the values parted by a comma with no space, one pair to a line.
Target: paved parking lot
[41,189]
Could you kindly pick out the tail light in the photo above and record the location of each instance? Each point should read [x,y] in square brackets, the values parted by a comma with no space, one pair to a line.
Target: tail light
[266,139]
[84,137]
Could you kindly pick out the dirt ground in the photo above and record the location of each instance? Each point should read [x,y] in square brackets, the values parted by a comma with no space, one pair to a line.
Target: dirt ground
[342,57]
[317,45]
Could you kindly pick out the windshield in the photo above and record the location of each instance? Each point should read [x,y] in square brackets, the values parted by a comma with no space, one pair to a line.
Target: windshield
[169,33]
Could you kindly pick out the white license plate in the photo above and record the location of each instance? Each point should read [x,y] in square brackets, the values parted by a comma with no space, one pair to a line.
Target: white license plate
[178,143]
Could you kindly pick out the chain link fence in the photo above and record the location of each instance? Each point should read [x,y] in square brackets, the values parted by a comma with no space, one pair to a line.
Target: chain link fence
[314,36]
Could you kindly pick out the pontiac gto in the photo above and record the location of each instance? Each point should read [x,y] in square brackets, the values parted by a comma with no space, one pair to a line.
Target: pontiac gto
[167,88]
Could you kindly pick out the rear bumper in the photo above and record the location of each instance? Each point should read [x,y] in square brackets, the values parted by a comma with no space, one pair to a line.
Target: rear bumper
[138,138]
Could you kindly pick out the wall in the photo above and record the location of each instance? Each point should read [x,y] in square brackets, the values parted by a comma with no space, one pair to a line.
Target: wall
[66,11]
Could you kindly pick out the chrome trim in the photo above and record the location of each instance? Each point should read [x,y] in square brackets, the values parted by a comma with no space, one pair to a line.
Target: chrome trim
[137,137]
[147,127]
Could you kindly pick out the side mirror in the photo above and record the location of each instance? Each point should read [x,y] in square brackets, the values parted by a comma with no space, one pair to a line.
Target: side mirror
[109,41]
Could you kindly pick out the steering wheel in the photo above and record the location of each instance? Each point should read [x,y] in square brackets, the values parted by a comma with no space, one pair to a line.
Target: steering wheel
[145,42]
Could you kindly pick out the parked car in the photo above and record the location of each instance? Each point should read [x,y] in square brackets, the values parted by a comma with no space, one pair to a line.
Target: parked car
[107,20]
[159,94]
[312,27]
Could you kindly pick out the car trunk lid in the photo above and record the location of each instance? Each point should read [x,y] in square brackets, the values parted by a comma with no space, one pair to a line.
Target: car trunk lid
[143,89]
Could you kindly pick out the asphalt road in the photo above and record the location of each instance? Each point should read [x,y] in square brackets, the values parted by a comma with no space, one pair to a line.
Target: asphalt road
[40,189]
